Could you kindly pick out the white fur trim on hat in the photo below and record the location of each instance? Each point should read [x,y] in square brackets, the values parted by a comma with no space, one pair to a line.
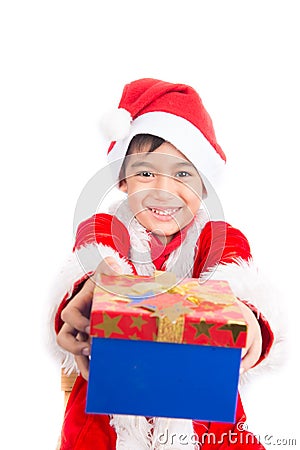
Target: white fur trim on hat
[183,135]
[115,124]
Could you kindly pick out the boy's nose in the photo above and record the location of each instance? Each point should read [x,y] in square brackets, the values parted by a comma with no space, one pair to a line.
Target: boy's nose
[164,187]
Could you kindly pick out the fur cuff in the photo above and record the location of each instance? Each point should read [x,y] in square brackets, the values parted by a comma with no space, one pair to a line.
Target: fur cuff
[247,283]
[78,266]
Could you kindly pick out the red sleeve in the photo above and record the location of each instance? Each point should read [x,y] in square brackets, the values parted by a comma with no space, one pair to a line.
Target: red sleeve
[266,332]
[58,322]
[105,229]
[220,243]
[99,229]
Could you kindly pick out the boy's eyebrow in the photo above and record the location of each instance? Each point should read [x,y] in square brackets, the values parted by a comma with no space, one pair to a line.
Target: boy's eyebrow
[146,163]
[141,164]
[184,163]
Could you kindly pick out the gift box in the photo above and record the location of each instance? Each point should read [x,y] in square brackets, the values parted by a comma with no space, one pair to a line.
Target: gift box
[165,349]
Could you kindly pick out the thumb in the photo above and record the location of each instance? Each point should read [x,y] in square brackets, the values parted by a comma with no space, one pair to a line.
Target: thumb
[109,266]
[251,357]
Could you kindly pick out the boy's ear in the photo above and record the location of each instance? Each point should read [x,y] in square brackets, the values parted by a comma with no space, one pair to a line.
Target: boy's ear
[123,186]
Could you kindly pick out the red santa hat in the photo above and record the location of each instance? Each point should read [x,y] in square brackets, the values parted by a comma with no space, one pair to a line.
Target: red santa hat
[174,112]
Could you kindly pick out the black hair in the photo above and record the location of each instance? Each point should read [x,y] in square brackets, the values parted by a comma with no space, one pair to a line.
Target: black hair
[139,143]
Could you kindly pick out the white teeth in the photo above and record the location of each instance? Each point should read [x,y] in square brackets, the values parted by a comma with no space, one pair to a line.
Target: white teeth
[164,212]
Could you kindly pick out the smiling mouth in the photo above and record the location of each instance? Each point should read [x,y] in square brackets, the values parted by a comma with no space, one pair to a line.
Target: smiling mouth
[165,211]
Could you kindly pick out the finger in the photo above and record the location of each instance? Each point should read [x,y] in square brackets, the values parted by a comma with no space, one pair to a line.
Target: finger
[251,356]
[112,263]
[83,337]
[74,317]
[66,338]
[77,311]
[244,351]
[109,266]
[83,365]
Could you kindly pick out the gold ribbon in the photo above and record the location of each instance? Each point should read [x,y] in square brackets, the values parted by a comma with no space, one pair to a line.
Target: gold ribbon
[186,290]
[170,331]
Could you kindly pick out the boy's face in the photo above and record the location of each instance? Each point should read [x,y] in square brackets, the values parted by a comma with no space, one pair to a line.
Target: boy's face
[164,190]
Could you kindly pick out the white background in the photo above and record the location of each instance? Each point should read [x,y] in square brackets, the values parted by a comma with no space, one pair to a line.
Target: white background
[63,64]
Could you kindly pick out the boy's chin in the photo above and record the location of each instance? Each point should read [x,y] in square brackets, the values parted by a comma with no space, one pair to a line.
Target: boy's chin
[165,237]
[164,230]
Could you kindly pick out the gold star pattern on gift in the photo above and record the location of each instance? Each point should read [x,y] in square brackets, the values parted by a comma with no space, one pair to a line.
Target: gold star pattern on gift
[138,322]
[134,337]
[172,312]
[202,328]
[235,329]
[109,325]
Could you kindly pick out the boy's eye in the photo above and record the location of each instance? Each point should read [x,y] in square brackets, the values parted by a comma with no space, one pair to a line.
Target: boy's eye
[145,174]
[182,174]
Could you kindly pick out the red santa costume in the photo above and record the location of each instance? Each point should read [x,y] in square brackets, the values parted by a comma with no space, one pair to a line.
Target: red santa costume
[204,248]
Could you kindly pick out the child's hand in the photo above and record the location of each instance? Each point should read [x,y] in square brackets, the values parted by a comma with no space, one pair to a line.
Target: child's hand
[74,334]
[252,351]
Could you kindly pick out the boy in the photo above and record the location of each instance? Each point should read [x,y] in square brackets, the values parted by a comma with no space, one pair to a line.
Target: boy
[166,158]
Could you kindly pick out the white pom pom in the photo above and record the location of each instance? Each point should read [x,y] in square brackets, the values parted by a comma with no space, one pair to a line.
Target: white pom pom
[115,124]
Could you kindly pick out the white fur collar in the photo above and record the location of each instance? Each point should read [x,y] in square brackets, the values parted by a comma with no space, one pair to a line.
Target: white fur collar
[135,432]
[180,261]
